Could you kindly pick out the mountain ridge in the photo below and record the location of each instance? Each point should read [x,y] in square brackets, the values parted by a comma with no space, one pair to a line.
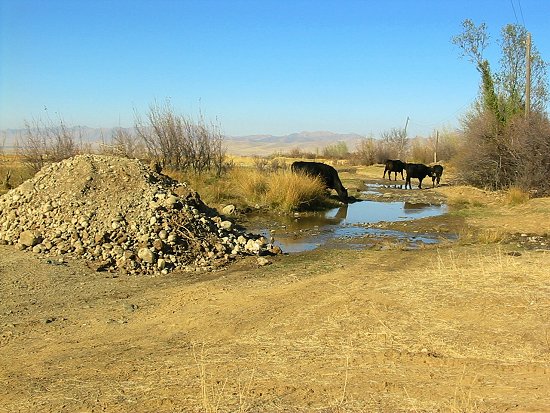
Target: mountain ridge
[258,144]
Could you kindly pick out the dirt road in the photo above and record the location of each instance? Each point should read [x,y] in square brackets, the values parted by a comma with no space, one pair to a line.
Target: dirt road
[460,329]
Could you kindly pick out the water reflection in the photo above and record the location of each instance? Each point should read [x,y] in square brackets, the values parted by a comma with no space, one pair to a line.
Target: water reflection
[304,232]
[369,212]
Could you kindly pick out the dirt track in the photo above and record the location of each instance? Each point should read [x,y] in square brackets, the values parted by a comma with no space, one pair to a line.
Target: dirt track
[457,329]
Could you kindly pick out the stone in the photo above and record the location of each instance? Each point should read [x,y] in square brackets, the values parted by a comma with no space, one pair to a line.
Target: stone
[229,209]
[146,255]
[226,225]
[83,207]
[28,239]
[262,261]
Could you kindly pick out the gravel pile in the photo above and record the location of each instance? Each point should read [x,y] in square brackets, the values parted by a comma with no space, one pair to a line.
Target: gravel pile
[120,215]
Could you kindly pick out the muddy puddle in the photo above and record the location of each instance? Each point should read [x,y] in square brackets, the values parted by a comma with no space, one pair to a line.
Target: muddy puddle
[362,224]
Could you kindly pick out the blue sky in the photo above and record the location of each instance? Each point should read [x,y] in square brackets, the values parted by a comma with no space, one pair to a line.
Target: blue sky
[258,67]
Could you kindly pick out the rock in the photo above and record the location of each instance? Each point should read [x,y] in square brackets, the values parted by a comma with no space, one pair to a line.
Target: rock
[28,239]
[229,209]
[172,202]
[146,255]
[226,225]
[158,244]
[110,210]
[262,261]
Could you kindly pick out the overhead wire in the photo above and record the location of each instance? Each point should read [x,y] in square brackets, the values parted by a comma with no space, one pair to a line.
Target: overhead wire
[521,13]
[514,9]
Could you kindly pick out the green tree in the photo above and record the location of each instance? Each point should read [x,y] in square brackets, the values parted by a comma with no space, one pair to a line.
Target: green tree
[495,132]
[503,92]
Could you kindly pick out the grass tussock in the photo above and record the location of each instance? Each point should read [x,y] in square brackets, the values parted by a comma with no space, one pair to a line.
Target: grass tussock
[472,235]
[288,191]
[281,190]
[516,196]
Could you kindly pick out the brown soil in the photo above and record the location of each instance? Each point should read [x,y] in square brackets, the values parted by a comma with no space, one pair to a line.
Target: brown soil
[458,328]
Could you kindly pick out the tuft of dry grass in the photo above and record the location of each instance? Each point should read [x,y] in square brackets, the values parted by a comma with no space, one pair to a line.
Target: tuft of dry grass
[280,190]
[516,196]
[288,191]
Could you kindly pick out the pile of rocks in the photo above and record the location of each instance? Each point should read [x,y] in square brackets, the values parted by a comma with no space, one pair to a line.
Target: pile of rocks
[121,215]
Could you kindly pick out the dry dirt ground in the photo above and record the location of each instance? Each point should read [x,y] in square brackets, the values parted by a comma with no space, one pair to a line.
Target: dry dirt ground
[463,327]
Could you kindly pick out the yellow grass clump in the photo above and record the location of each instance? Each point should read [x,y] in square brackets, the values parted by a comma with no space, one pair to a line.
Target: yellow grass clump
[281,190]
[516,196]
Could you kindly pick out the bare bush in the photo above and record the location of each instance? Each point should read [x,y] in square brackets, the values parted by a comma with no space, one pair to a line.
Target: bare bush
[365,152]
[43,143]
[486,159]
[179,143]
[530,144]
[337,151]
[299,153]
[422,150]
[124,143]
[260,163]
[396,143]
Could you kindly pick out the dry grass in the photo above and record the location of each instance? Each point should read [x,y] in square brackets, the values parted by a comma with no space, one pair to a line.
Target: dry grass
[288,191]
[18,172]
[516,196]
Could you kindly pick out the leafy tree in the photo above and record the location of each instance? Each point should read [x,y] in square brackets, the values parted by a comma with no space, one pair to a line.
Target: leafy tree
[495,132]
[503,92]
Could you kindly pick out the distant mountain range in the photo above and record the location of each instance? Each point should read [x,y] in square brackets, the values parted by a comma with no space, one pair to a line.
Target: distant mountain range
[236,145]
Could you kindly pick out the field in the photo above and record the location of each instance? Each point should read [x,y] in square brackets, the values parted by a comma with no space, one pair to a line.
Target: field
[462,327]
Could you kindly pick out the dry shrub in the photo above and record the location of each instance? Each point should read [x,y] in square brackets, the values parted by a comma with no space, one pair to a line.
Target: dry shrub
[484,160]
[124,143]
[179,142]
[498,157]
[530,142]
[45,142]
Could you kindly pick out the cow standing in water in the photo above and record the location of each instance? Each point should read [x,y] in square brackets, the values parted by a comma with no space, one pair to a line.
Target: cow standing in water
[394,165]
[417,170]
[327,174]
[436,175]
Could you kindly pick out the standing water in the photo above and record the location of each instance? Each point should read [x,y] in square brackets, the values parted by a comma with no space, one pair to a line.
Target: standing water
[304,232]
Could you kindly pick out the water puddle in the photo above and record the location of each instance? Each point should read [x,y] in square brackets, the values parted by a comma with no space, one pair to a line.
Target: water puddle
[350,223]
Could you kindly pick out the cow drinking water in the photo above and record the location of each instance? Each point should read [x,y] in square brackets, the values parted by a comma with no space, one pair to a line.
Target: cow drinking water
[394,165]
[327,174]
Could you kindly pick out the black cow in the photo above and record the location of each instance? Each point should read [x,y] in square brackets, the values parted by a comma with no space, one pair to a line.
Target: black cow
[436,175]
[394,165]
[417,170]
[327,174]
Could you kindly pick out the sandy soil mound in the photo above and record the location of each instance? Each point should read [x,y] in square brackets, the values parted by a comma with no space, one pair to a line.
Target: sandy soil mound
[121,215]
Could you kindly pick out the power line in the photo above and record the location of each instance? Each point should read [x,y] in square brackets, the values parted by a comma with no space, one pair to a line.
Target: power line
[514,9]
[521,13]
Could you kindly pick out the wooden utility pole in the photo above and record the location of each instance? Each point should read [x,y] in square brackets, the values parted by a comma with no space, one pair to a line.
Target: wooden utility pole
[528,76]
[436,143]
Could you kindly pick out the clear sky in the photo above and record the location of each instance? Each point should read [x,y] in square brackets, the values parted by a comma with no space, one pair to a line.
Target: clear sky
[257,66]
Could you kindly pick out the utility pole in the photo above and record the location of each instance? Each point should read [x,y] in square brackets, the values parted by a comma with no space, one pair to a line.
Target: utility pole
[528,76]
[436,143]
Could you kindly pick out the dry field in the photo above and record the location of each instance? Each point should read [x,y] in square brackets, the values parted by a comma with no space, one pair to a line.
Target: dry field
[463,327]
